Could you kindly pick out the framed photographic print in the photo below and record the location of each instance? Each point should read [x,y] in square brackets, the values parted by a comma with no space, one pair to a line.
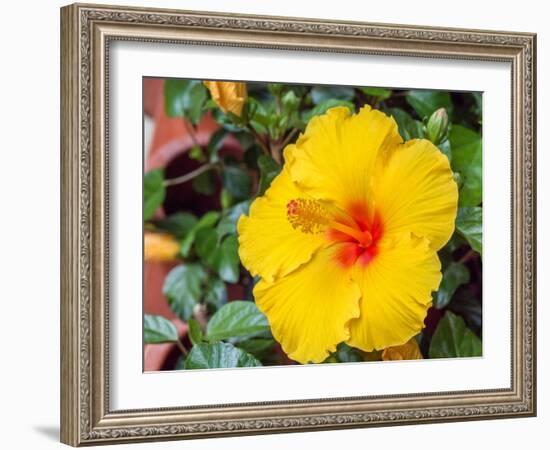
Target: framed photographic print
[277,225]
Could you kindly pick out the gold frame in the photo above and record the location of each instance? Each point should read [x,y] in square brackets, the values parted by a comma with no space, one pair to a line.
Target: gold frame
[86,31]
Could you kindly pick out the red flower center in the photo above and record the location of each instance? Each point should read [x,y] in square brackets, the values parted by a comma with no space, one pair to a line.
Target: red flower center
[361,247]
[356,228]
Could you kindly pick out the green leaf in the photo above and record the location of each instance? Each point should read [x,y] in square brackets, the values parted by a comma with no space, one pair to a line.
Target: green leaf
[230,217]
[320,94]
[226,262]
[379,93]
[289,102]
[469,308]
[195,332]
[219,356]
[426,102]
[323,107]
[153,192]
[467,153]
[206,244]
[178,224]
[455,275]
[269,169]
[237,181]
[345,353]
[257,347]
[469,225]
[206,221]
[180,363]
[445,148]
[408,127]
[205,183]
[215,143]
[183,288]
[184,98]
[452,339]
[216,293]
[236,319]
[157,329]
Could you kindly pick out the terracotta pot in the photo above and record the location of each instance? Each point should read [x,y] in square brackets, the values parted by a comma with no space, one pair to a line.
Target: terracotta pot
[169,145]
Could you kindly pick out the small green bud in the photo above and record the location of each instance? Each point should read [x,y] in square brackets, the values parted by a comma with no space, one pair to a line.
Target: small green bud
[438,126]
[196,154]
[226,199]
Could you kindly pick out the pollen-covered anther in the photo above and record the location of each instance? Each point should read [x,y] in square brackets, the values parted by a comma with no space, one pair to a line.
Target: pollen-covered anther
[309,216]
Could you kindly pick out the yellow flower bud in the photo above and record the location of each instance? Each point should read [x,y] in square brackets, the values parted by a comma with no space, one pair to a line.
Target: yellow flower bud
[229,96]
[160,247]
[408,350]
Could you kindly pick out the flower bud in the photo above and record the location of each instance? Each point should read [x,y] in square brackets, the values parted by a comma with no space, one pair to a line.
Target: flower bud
[229,96]
[160,247]
[408,350]
[438,125]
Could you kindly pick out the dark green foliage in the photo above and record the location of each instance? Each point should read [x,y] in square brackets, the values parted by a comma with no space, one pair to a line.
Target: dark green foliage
[227,333]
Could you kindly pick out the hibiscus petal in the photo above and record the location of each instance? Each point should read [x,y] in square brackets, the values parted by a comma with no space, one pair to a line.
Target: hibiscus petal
[309,309]
[268,244]
[335,157]
[415,191]
[396,289]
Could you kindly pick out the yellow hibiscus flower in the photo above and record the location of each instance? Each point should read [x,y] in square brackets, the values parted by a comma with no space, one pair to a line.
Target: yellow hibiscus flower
[345,240]
[228,95]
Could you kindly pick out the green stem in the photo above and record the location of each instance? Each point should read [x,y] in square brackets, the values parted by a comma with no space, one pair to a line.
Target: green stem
[181,348]
[191,131]
[189,176]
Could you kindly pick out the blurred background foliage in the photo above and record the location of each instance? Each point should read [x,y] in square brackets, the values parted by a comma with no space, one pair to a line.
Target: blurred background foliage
[210,291]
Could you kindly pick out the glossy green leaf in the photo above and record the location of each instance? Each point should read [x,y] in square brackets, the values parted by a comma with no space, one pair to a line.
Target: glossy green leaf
[453,339]
[178,224]
[345,353]
[226,261]
[206,245]
[205,183]
[269,169]
[256,347]
[153,192]
[230,217]
[157,329]
[445,148]
[321,94]
[215,143]
[323,107]
[236,319]
[425,102]
[469,224]
[379,93]
[183,288]
[180,363]
[195,332]
[206,221]
[408,127]
[184,98]
[216,292]
[219,355]
[455,275]
[469,308]
[466,148]
[237,181]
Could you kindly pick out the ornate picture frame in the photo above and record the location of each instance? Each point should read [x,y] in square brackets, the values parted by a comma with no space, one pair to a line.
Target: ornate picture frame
[87,32]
